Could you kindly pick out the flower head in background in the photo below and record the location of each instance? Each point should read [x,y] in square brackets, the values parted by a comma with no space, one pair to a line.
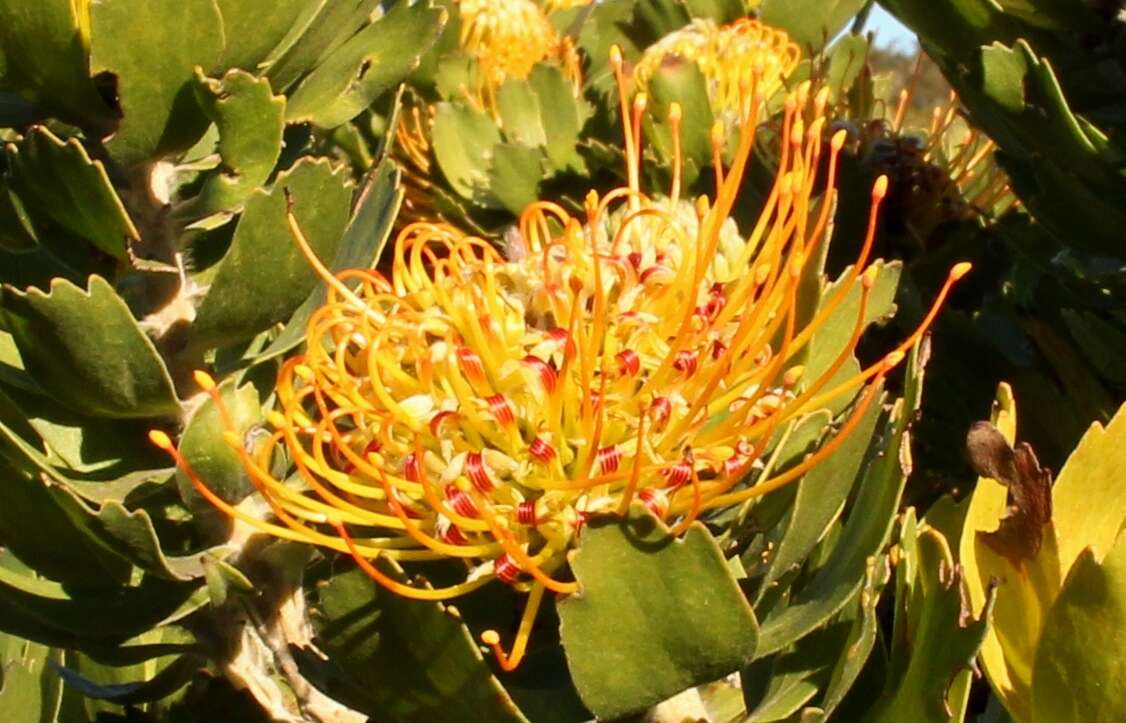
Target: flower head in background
[507,38]
[948,172]
[939,167]
[727,56]
[481,407]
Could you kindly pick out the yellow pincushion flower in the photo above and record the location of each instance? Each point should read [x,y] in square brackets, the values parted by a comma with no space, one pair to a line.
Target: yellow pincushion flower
[508,38]
[481,407]
[727,56]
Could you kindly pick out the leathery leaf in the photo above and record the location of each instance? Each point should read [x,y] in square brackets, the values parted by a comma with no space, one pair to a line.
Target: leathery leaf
[654,615]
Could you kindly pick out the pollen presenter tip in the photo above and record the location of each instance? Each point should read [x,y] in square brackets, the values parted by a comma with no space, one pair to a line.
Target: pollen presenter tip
[161,440]
[880,188]
[204,380]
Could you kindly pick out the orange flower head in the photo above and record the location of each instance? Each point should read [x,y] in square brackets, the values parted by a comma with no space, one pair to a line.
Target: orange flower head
[481,407]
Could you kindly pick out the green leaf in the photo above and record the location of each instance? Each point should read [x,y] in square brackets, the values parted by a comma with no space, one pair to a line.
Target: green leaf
[958,696]
[515,175]
[77,445]
[99,462]
[657,18]
[866,530]
[12,370]
[1003,72]
[33,446]
[452,71]
[907,608]
[820,498]
[202,445]
[607,24]
[242,300]
[790,683]
[776,688]
[223,577]
[46,612]
[684,83]
[40,266]
[57,181]
[44,49]
[250,120]
[801,437]
[366,65]
[120,376]
[463,139]
[858,647]
[562,117]
[1059,132]
[832,337]
[252,29]
[944,641]
[322,28]
[152,48]
[810,22]
[151,667]
[846,60]
[30,692]
[520,113]
[655,615]
[1079,673]
[132,536]
[721,11]
[959,28]
[93,536]
[45,528]
[1100,341]
[170,678]
[399,659]
[362,247]
[16,232]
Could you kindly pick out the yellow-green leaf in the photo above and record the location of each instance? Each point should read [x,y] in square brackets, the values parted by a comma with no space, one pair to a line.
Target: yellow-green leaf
[1088,500]
[1080,673]
[1026,591]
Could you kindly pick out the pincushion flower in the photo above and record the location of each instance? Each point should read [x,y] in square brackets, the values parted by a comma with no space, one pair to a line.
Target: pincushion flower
[727,56]
[947,173]
[481,407]
[506,39]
